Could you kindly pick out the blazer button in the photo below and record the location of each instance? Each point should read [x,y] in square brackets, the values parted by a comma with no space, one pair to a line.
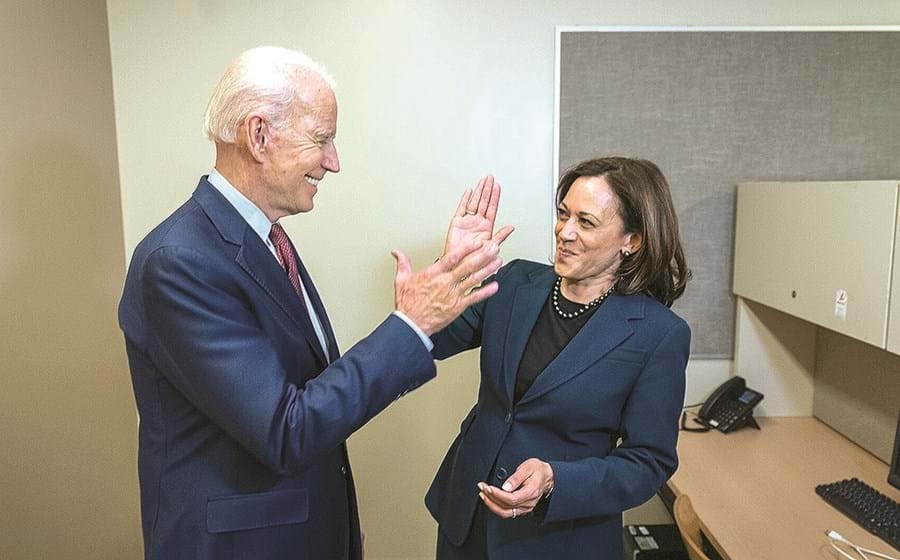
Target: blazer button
[508,417]
[501,474]
[343,469]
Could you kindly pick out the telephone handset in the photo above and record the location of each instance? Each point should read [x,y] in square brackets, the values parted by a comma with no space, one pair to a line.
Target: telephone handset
[730,406]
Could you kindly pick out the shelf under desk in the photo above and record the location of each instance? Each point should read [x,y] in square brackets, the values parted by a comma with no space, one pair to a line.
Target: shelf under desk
[755,490]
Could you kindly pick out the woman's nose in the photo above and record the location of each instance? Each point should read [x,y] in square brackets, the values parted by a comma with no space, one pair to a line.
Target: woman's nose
[568,231]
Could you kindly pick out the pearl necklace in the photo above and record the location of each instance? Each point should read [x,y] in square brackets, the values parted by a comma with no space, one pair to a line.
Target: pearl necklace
[584,308]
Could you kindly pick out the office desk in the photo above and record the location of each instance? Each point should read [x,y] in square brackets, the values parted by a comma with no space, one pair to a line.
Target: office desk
[755,490]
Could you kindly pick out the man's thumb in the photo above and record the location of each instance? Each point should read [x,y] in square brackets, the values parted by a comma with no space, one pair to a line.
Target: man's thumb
[404,268]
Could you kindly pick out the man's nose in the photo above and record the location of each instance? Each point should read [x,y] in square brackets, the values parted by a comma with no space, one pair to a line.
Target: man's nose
[331,162]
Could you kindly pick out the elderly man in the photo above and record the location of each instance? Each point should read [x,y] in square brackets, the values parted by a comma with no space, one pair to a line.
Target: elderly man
[244,399]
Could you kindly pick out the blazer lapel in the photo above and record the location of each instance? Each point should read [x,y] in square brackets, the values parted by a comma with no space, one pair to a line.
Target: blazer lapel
[256,260]
[604,331]
[333,351]
[526,308]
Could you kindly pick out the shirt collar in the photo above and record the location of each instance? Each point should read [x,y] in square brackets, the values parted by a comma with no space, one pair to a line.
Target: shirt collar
[251,213]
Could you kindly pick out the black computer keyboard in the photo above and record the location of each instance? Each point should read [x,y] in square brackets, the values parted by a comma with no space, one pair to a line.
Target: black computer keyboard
[868,507]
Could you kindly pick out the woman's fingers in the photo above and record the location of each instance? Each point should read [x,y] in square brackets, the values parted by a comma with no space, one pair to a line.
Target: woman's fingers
[463,203]
[524,499]
[488,194]
[506,512]
[475,198]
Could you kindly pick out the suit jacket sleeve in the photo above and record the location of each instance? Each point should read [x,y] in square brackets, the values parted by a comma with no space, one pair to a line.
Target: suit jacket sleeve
[646,458]
[210,346]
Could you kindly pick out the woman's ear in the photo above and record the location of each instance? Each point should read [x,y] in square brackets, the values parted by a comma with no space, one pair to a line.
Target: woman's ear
[633,242]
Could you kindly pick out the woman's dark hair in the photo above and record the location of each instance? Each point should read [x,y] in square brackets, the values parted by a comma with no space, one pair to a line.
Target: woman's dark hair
[645,206]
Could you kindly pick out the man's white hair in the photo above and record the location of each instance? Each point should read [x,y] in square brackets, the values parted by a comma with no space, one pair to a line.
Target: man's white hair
[261,79]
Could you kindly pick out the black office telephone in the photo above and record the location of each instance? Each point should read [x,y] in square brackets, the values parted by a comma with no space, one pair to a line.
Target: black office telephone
[730,406]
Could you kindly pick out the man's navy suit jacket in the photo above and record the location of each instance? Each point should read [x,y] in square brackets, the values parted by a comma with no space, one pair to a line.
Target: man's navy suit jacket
[603,413]
[242,415]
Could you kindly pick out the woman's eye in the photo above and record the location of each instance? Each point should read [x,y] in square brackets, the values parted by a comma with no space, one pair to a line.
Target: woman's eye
[586,223]
[561,213]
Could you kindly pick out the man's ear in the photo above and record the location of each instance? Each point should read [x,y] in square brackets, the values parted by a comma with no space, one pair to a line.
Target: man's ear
[258,136]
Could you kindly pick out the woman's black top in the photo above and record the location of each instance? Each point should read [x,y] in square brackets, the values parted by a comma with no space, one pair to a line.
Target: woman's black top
[550,335]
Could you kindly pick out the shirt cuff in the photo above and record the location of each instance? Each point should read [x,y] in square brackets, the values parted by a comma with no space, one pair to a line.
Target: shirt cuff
[422,336]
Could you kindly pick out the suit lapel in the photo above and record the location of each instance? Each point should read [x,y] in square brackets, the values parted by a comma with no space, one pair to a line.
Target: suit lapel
[604,331]
[527,304]
[256,260]
[333,351]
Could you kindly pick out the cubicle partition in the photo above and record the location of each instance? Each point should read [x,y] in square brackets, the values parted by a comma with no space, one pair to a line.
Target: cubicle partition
[815,267]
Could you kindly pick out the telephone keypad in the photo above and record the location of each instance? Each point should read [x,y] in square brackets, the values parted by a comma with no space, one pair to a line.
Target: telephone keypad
[728,414]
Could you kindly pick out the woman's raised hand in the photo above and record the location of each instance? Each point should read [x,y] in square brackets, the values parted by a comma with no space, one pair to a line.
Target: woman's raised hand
[474,218]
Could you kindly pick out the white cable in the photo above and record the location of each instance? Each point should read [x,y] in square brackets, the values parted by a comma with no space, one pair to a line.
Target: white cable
[876,553]
[841,552]
[835,536]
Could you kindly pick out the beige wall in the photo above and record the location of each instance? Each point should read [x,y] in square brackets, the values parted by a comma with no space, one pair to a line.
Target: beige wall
[68,481]
[432,94]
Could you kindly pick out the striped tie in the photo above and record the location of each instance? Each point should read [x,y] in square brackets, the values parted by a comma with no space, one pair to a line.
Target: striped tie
[283,245]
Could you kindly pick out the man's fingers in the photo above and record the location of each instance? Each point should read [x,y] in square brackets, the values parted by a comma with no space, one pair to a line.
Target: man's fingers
[476,260]
[503,233]
[463,202]
[480,294]
[474,280]
[449,261]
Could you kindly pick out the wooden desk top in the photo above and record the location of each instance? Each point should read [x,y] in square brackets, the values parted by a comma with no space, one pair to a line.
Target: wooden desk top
[755,490]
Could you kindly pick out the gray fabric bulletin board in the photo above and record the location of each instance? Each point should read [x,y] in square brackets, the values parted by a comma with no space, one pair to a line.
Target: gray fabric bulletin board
[716,108]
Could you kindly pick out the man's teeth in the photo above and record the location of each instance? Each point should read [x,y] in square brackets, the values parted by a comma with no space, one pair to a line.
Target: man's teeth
[313,181]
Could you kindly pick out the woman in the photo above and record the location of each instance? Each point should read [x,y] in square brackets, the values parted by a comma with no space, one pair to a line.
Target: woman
[582,374]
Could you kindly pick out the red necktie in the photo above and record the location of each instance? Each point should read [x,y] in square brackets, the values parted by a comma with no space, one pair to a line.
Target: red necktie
[283,245]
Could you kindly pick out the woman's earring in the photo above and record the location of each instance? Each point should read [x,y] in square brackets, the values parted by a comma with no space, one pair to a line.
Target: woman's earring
[625,254]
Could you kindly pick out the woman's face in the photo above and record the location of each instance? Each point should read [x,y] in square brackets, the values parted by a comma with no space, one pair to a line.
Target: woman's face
[589,232]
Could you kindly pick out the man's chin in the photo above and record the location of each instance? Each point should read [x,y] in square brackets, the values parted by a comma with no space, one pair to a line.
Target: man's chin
[304,206]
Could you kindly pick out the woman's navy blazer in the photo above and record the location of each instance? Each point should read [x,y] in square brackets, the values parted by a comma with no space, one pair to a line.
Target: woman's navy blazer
[603,413]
